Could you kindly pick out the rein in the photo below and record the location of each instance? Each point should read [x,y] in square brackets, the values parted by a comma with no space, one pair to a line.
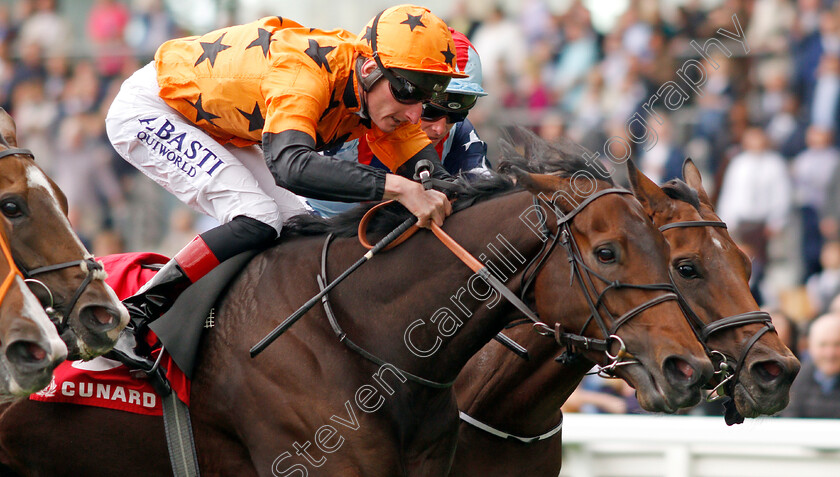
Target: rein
[579,271]
[92,269]
[13,270]
[729,374]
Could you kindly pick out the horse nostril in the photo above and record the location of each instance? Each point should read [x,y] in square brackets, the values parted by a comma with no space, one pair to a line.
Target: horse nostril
[98,319]
[768,370]
[25,352]
[102,316]
[685,369]
[679,370]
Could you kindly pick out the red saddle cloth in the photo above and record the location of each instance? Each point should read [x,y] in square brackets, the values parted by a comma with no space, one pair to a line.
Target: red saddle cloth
[103,382]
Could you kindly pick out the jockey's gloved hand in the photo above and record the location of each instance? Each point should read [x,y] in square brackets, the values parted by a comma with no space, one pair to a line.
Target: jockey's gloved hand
[428,153]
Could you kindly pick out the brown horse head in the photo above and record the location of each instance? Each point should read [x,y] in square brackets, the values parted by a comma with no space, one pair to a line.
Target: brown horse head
[621,262]
[30,347]
[47,251]
[712,273]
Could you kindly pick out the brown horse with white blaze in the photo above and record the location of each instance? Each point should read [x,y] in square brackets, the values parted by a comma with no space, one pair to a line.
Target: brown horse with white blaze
[512,407]
[309,404]
[50,255]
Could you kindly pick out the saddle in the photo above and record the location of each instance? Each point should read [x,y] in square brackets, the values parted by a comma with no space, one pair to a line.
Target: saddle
[179,329]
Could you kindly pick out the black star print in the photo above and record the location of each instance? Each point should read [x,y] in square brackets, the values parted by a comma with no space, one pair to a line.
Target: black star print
[333,103]
[211,50]
[319,54]
[349,96]
[200,113]
[448,55]
[255,119]
[413,21]
[263,39]
[367,36]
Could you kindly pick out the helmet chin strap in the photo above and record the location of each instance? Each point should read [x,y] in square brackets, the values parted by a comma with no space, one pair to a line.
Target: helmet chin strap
[366,83]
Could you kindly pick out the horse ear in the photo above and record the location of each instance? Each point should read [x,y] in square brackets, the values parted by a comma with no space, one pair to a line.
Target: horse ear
[691,175]
[7,128]
[646,191]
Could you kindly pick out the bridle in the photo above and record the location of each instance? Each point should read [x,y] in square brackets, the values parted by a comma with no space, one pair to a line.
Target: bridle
[93,270]
[727,372]
[584,274]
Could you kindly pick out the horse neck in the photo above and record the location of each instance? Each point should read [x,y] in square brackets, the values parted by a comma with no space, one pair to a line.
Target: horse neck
[438,312]
[518,396]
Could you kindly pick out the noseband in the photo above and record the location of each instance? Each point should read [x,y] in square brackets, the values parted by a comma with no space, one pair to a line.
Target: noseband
[93,270]
[728,373]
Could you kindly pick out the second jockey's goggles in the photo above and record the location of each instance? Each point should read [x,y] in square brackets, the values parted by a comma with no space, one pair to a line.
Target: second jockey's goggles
[455,106]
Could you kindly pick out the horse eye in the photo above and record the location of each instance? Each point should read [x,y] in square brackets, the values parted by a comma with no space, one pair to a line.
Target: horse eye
[687,270]
[11,209]
[605,255]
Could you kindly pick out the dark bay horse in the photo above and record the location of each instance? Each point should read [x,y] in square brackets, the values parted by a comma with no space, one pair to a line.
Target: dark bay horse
[523,399]
[310,404]
[63,274]
[30,348]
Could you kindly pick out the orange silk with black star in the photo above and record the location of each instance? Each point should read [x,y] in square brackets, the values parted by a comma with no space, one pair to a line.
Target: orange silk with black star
[270,76]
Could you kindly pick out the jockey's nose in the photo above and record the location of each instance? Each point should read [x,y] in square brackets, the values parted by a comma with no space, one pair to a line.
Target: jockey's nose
[413,112]
[437,128]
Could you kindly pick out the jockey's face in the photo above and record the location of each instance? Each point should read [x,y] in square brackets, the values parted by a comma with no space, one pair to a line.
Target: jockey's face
[436,129]
[384,110]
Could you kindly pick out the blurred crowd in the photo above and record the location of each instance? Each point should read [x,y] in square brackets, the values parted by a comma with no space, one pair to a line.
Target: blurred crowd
[57,83]
[754,100]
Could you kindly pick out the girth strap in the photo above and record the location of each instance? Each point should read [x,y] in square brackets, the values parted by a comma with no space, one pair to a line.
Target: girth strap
[504,435]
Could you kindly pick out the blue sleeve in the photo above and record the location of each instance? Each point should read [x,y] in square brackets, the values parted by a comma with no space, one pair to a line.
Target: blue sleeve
[467,152]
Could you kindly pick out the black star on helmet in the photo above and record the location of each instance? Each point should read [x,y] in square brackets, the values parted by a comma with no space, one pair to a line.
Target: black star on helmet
[200,113]
[255,119]
[368,35]
[211,50]
[413,21]
[263,39]
[319,54]
[448,56]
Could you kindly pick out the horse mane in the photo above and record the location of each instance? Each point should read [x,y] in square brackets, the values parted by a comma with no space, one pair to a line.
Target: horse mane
[679,190]
[540,157]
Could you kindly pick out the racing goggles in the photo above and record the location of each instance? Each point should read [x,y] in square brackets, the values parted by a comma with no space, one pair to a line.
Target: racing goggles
[454,106]
[411,87]
[431,112]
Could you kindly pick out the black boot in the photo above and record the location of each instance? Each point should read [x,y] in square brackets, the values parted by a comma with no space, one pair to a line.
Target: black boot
[156,297]
[158,294]
[189,265]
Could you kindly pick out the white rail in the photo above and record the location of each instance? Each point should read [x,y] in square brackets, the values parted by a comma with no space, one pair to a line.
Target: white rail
[687,446]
